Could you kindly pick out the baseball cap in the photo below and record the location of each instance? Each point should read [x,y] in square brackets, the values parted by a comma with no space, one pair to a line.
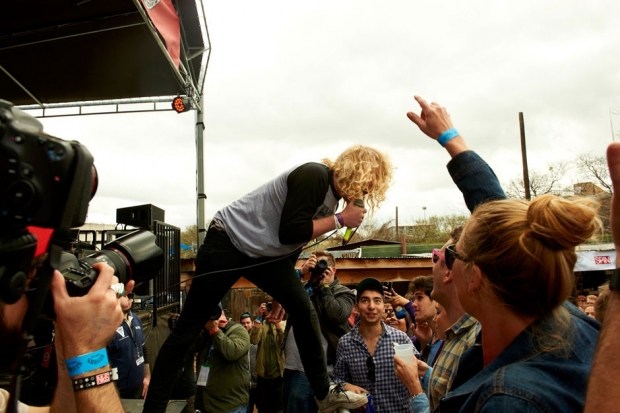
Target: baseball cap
[371,284]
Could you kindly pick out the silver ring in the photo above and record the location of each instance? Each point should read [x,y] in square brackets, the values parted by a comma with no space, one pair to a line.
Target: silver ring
[119,289]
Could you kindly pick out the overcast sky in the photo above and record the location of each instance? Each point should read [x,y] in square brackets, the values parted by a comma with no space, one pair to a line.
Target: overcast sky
[292,82]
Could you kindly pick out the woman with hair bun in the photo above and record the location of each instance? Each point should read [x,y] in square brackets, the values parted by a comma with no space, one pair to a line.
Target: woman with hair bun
[513,271]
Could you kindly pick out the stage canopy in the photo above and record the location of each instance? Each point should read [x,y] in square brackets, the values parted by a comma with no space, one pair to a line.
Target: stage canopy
[75,52]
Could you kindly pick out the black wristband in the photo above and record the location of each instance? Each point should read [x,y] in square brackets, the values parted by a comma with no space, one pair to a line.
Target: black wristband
[93,381]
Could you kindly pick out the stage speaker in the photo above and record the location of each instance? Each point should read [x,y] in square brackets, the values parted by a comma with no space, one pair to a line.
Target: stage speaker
[141,216]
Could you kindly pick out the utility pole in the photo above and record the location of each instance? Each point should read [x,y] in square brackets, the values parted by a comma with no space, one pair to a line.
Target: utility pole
[526,174]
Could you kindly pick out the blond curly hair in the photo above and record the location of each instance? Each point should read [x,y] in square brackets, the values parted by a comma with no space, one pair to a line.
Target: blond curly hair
[362,172]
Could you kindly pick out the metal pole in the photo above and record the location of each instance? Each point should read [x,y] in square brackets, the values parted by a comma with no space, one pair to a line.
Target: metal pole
[200,185]
[396,222]
[526,174]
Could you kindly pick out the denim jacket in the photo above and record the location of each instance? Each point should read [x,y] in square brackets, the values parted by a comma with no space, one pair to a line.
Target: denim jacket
[524,379]
[521,378]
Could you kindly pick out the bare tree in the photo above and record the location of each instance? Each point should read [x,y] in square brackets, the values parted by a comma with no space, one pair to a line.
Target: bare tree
[594,169]
[541,183]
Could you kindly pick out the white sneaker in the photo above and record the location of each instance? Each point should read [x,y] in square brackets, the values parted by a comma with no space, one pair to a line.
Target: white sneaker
[340,398]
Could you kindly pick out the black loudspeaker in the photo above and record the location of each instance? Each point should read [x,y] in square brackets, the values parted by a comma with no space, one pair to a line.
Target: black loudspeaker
[141,216]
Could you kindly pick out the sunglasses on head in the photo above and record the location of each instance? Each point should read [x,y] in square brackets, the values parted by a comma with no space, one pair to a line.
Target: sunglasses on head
[370,364]
[437,255]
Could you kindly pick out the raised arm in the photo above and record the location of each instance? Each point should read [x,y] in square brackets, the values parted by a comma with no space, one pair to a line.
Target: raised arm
[471,174]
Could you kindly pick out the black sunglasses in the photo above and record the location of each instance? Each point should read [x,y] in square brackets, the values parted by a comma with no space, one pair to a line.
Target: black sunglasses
[370,364]
[452,255]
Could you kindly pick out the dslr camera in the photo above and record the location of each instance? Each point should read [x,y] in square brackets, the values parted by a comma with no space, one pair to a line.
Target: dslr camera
[48,182]
[318,269]
[134,256]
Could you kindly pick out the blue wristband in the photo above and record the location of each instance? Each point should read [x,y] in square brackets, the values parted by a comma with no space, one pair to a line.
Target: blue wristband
[447,136]
[87,362]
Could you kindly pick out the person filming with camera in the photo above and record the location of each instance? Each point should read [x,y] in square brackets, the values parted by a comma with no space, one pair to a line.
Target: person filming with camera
[268,334]
[41,205]
[333,303]
[83,326]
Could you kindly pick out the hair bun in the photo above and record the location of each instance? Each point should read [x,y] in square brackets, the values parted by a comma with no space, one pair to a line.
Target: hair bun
[561,223]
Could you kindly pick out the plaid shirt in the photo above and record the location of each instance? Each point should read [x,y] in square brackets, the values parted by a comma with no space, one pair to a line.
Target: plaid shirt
[388,393]
[459,337]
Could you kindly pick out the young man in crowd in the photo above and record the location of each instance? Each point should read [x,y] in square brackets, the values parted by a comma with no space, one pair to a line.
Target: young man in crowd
[365,357]
[428,343]
[333,303]
[127,353]
[246,322]
[463,328]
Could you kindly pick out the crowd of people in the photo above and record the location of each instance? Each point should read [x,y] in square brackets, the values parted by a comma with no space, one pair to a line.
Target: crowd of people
[492,329]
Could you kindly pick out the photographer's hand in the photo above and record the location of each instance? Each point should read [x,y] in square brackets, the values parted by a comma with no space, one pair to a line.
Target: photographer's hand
[83,325]
[308,265]
[87,323]
[277,313]
[396,299]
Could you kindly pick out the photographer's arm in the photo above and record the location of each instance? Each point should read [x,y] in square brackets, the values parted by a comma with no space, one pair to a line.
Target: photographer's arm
[234,345]
[83,325]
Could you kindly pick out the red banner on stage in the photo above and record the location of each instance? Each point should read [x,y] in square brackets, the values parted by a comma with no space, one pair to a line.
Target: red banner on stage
[166,21]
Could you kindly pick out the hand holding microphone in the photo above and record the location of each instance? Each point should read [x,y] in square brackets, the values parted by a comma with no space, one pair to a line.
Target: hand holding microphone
[352,216]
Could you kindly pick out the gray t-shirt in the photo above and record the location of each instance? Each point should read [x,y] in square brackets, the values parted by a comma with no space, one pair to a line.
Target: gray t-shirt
[292,357]
[276,218]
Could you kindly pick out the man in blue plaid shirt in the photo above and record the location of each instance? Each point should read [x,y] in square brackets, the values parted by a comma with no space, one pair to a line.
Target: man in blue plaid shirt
[365,356]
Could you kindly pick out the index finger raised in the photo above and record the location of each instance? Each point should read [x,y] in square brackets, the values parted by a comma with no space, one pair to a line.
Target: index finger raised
[423,104]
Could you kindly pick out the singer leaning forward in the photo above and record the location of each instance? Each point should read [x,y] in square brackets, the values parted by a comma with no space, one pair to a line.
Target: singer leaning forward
[259,237]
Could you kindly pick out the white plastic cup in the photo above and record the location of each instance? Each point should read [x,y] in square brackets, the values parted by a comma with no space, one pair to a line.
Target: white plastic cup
[404,352]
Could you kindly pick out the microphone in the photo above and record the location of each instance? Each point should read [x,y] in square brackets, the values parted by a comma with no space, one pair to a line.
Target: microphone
[347,234]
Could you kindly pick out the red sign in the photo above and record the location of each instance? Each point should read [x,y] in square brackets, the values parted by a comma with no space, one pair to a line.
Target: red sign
[602,259]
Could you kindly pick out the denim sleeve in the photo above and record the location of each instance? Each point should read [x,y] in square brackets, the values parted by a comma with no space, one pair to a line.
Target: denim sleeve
[424,380]
[475,179]
[419,404]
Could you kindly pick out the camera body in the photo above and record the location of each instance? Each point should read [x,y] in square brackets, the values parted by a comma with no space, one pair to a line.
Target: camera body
[44,182]
[42,177]
[321,265]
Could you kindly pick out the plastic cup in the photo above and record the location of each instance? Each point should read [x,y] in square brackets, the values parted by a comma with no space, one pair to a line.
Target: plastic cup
[404,352]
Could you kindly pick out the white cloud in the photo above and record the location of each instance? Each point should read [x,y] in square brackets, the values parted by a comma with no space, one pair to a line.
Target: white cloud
[291,82]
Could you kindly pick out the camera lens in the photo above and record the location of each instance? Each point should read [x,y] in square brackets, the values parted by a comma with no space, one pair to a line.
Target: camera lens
[321,266]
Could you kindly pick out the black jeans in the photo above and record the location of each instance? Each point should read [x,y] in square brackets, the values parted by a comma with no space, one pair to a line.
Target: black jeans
[274,275]
[269,395]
